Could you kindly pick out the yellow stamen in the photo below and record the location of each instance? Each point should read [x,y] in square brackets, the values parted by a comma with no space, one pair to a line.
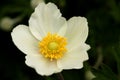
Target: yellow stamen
[53,46]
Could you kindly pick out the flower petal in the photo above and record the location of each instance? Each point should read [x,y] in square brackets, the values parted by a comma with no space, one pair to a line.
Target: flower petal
[43,66]
[77,31]
[24,40]
[74,59]
[46,18]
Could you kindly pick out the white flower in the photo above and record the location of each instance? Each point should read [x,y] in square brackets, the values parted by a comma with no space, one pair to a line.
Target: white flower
[51,43]
[7,23]
[34,3]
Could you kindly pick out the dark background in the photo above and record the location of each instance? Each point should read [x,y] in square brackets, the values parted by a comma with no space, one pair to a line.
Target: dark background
[104,38]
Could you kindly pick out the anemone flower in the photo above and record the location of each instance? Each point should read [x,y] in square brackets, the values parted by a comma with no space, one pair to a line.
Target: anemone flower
[50,42]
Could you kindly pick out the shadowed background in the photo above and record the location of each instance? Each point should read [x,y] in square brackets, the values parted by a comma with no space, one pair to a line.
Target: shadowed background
[104,38]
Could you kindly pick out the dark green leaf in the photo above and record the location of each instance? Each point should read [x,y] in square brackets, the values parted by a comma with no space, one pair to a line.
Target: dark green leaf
[104,73]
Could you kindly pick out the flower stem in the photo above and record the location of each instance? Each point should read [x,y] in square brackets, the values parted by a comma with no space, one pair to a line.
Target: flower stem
[60,76]
[100,57]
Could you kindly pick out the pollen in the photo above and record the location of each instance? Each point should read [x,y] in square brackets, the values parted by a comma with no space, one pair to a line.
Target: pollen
[53,46]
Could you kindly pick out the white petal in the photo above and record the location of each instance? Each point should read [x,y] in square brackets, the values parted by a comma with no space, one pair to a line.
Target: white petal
[46,18]
[74,59]
[42,65]
[24,40]
[77,31]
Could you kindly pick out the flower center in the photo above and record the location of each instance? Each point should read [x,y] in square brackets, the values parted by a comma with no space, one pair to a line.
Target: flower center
[53,46]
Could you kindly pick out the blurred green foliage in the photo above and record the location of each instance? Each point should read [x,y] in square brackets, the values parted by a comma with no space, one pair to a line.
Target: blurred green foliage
[104,38]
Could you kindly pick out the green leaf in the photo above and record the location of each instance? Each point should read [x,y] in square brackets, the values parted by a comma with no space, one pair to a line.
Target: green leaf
[104,73]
